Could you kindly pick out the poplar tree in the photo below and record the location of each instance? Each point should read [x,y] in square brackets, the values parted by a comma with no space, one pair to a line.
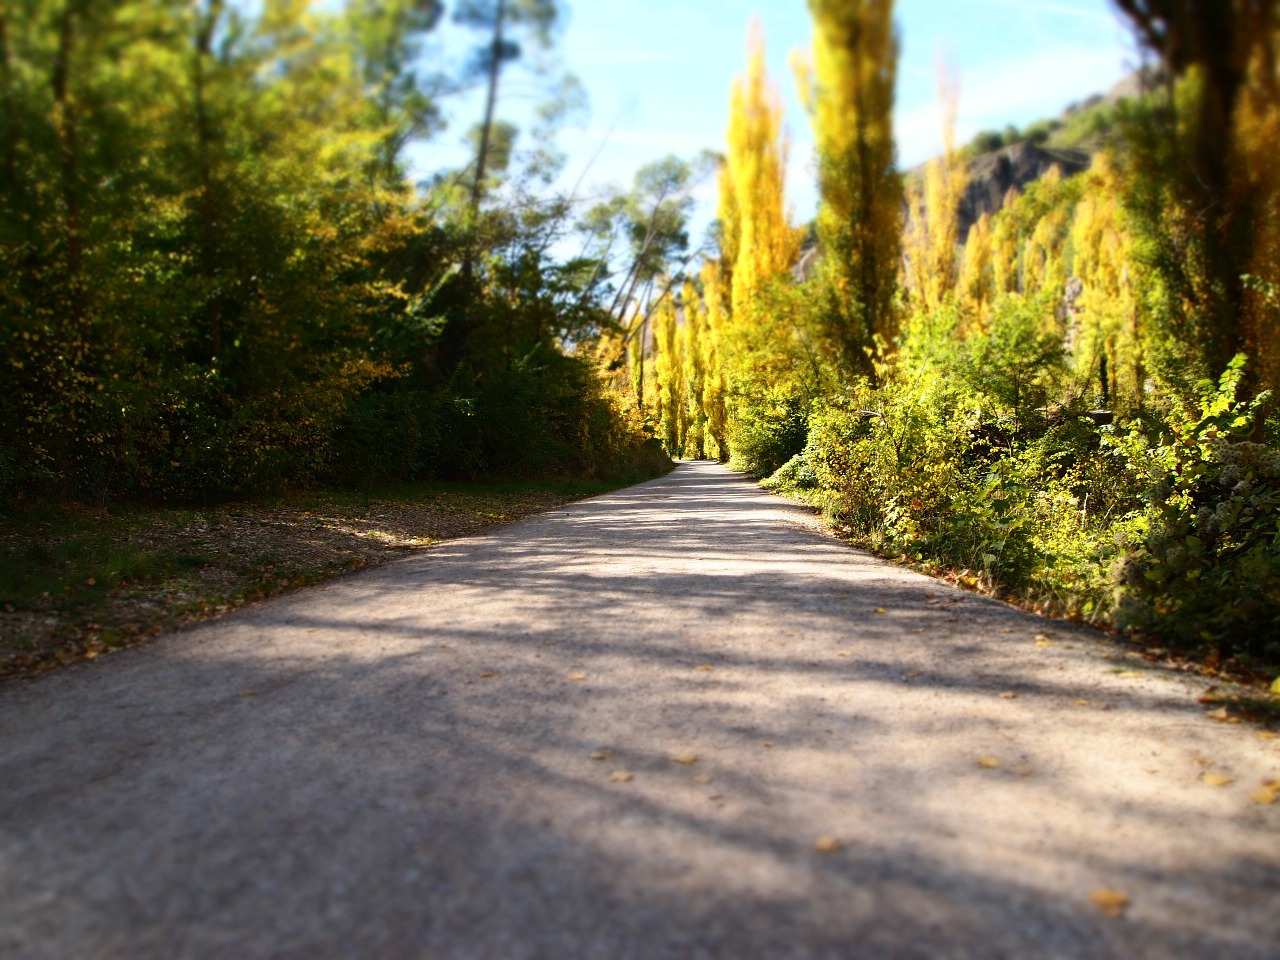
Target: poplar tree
[761,242]
[848,87]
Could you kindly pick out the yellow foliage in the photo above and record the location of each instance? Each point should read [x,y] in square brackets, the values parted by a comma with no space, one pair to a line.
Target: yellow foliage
[848,87]
[759,242]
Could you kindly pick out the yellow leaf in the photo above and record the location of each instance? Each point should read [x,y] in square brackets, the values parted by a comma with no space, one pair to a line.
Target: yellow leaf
[705,667]
[685,758]
[488,674]
[1008,695]
[1044,642]
[768,743]
[1275,686]
[1220,714]
[881,610]
[1112,903]
[577,676]
[1268,735]
[601,754]
[621,776]
[1216,779]
[1265,797]
[988,763]
[1082,703]
[828,845]
[90,654]
[843,653]
[702,778]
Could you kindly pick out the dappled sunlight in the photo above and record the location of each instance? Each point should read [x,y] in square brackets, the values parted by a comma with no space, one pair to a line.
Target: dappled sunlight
[433,722]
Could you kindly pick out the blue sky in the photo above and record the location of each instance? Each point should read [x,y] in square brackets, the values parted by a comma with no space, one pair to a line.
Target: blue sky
[658,74]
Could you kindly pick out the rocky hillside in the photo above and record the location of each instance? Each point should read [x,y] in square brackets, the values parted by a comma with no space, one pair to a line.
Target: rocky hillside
[993,175]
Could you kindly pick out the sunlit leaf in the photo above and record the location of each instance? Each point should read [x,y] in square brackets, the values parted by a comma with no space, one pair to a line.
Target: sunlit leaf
[577,677]
[988,763]
[828,845]
[601,754]
[685,758]
[705,667]
[1008,695]
[1216,779]
[1111,902]
[488,674]
[621,776]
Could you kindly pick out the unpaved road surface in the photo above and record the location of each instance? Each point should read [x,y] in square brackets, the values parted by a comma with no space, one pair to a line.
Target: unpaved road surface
[399,765]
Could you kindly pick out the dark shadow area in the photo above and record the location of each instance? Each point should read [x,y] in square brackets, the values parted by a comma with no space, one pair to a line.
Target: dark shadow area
[399,765]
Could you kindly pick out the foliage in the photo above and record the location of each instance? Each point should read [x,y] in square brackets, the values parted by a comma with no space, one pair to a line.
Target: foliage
[1208,571]
[215,279]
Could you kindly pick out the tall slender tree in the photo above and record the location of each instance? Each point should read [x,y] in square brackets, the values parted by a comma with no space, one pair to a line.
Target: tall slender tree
[849,88]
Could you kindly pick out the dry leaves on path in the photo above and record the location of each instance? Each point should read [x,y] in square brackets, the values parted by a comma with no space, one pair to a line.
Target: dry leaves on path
[76,583]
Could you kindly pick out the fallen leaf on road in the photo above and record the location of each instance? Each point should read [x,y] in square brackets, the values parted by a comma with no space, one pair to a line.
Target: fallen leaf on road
[1268,735]
[828,845]
[1008,695]
[1043,641]
[601,754]
[685,758]
[881,610]
[1220,714]
[702,778]
[577,676]
[1082,703]
[768,743]
[1216,779]
[1265,797]
[488,674]
[843,653]
[705,667]
[621,776]
[988,763]
[1112,903]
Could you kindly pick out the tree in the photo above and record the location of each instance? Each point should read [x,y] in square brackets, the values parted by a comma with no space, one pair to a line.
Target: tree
[760,240]
[502,20]
[1195,201]
[849,90]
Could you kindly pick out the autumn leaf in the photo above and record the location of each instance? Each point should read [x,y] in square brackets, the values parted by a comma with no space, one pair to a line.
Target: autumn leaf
[621,776]
[684,758]
[988,763]
[705,667]
[488,674]
[1111,902]
[1043,641]
[1265,797]
[881,610]
[577,677]
[601,754]
[828,845]
[1216,779]
[702,778]
[1008,695]
[1220,714]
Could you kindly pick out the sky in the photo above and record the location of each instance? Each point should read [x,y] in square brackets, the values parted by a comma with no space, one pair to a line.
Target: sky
[658,75]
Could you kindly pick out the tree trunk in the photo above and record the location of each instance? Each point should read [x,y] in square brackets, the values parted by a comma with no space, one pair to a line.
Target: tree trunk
[491,100]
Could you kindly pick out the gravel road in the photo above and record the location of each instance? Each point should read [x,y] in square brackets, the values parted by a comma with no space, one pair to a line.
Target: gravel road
[400,765]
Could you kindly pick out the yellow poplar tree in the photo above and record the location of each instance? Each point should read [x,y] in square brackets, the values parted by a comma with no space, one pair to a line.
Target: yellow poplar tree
[976,287]
[670,369]
[1110,340]
[759,241]
[933,233]
[716,384]
[848,87]
[1005,236]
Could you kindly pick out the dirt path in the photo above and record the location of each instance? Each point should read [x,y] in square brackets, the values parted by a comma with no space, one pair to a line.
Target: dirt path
[399,765]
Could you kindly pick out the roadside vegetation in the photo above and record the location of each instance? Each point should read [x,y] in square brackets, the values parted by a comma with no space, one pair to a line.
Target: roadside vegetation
[1072,406]
[79,583]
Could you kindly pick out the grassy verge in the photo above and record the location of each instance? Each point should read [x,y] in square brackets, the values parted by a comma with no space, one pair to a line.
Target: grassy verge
[77,583]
